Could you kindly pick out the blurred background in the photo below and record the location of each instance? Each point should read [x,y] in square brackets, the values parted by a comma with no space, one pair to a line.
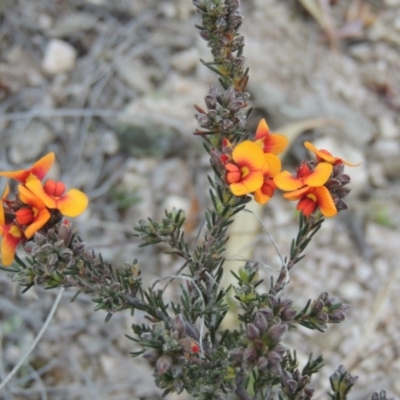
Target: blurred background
[110,88]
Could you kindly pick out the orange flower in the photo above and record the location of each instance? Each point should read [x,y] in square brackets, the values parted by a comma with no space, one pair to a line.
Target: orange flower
[52,194]
[270,142]
[271,168]
[12,236]
[324,155]
[37,171]
[245,174]
[35,216]
[304,177]
[311,198]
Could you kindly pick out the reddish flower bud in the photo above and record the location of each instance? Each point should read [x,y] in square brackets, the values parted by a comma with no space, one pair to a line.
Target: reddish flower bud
[164,363]
[24,216]
[53,188]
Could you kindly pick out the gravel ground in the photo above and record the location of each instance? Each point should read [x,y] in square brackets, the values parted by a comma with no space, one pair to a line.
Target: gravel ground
[110,87]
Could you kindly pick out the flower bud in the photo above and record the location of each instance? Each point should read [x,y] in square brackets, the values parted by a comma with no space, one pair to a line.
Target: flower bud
[164,364]
[252,332]
[54,188]
[178,385]
[176,370]
[262,363]
[24,216]
[151,355]
[276,332]
[249,354]
[260,322]
[267,312]
[236,354]
[179,324]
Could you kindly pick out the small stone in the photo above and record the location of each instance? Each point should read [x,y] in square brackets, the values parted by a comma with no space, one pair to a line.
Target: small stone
[90,345]
[111,144]
[135,74]
[185,61]
[388,128]
[350,291]
[392,3]
[29,144]
[177,202]
[73,24]
[377,31]
[377,175]
[386,148]
[59,57]
[361,52]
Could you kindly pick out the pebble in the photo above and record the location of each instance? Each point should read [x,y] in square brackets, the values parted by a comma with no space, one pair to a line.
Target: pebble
[29,144]
[377,174]
[350,291]
[361,52]
[104,142]
[73,24]
[385,149]
[185,61]
[135,74]
[388,128]
[392,3]
[177,202]
[59,57]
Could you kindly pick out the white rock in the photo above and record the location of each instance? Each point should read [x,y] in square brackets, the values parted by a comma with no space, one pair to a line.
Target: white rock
[185,61]
[177,202]
[73,23]
[29,144]
[361,52]
[350,291]
[377,174]
[392,3]
[388,128]
[386,149]
[59,57]
[111,144]
[135,74]
[396,24]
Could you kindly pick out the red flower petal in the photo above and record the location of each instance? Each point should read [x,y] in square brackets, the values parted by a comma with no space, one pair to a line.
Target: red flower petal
[12,236]
[40,220]
[38,170]
[326,156]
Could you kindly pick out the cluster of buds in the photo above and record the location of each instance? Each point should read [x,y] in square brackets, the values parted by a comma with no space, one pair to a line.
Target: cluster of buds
[341,383]
[169,351]
[322,311]
[220,21]
[37,206]
[278,309]
[262,348]
[294,385]
[222,114]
